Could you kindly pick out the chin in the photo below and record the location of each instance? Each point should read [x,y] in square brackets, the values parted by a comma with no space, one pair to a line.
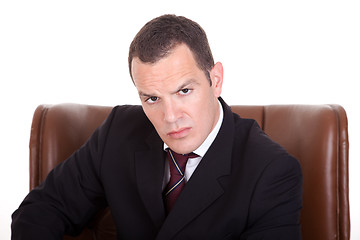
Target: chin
[184,148]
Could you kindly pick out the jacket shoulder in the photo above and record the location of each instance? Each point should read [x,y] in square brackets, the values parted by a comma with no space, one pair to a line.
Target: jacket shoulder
[128,111]
[258,144]
[129,116]
[126,123]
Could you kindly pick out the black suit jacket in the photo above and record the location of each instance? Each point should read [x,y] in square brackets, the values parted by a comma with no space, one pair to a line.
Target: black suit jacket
[245,187]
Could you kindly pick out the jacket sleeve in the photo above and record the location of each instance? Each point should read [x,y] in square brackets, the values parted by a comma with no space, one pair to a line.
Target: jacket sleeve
[277,202]
[68,198]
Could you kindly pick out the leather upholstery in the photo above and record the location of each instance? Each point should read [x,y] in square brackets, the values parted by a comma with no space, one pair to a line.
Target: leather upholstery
[317,135]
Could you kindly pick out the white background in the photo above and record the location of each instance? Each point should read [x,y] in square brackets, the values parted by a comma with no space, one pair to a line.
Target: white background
[273,52]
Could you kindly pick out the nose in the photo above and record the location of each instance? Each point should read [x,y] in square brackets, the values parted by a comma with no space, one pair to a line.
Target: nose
[171,112]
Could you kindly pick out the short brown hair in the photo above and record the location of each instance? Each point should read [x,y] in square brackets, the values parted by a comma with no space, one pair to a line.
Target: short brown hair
[159,36]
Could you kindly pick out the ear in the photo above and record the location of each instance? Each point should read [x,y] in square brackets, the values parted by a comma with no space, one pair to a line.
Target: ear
[216,75]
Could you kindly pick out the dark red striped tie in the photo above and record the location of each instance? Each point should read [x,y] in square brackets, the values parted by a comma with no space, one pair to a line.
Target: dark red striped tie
[177,163]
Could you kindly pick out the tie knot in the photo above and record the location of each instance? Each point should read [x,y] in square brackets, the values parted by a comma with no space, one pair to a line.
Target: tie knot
[179,161]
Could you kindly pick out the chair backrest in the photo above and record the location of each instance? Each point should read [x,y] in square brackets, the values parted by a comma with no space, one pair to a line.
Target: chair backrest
[317,135]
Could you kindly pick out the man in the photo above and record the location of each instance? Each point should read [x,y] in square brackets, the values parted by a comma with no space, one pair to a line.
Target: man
[239,183]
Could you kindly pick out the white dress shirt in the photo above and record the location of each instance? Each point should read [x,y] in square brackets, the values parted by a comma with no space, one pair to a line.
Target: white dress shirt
[192,163]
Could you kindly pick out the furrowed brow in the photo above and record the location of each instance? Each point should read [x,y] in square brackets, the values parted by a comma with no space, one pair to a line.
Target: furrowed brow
[185,84]
[142,94]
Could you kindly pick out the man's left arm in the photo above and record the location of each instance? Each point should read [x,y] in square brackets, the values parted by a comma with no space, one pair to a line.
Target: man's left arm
[277,201]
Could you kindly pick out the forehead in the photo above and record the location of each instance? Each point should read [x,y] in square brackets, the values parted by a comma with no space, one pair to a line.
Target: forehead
[179,63]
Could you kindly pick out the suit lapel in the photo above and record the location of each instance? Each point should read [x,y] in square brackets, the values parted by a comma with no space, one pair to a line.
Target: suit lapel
[149,165]
[203,187]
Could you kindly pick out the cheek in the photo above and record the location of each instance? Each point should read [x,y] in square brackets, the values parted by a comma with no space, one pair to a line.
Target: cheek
[199,115]
[206,115]
[153,116]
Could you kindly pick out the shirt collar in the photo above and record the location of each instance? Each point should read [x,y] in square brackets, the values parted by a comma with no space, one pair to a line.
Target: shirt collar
[200,151]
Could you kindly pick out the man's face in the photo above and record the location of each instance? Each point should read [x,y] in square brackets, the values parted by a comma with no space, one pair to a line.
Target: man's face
[177,98]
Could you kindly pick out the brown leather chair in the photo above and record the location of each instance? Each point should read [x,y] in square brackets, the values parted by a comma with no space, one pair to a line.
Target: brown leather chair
[317,135]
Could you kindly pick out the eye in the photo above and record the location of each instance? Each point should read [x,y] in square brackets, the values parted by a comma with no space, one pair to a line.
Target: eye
[184,91]
[152,99]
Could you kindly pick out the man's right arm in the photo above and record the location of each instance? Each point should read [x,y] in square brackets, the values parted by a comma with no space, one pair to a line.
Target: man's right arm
[68,198]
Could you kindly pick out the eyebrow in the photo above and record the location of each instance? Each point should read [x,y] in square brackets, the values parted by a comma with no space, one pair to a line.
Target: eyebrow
[188,82]
[142,94]
[182,86]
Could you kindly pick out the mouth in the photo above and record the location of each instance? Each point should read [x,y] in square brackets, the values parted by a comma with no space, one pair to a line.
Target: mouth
[179,133]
